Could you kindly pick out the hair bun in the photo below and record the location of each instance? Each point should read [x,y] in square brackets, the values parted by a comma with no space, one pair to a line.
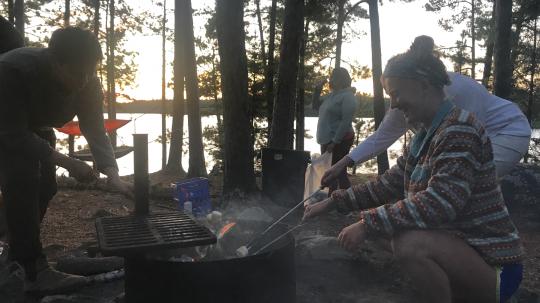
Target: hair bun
[423,46]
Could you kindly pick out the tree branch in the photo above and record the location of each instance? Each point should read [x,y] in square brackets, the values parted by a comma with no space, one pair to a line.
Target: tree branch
[353,8]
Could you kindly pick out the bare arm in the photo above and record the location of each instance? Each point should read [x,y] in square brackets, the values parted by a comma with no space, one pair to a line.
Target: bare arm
[391,129]
[90,116]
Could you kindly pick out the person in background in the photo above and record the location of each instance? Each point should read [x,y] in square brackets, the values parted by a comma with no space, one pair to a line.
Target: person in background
[334,127]
[506,125]
[41,88]
[440,206]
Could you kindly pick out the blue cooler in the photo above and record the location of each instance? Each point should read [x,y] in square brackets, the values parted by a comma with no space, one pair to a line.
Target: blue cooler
[196,190]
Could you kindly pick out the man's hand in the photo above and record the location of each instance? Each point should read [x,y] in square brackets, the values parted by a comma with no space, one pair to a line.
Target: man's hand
[81,171]
[334,171]
[352,236]
[117,184]
[316,209]
[78,169]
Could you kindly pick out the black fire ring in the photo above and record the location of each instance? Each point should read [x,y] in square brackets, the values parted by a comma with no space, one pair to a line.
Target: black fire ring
[268,277]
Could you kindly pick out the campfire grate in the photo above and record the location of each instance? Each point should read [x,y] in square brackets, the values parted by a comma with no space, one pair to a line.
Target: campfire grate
[137,234]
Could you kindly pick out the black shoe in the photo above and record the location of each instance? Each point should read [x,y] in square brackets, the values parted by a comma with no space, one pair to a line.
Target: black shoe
[50,281]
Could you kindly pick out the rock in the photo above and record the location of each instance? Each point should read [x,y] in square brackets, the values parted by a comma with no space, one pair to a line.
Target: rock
[322,248]
[11,283]
[53,249]
[522,185]
[101,213]
[108,276]
[121,298]
[521,191]
[72,299]
[525,296]
[89,266]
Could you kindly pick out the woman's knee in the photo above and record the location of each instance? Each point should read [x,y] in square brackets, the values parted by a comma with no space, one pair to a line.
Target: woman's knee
[410,245]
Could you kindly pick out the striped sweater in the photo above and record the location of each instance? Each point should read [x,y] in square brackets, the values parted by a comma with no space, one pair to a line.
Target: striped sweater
[446,181]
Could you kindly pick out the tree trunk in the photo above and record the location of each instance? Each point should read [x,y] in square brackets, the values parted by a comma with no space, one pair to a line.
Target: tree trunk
[378,99]
[283,119]
[269,73]
[339,35]
[488,60]
[18,13]
[473,42]
[531,81]
[111,78]
[10,11]
[533,72]
[261,32]
[502,77]
[216,100]
[238,156]
[197,166]
[514,36]
[67,13]
[300,116]
[174,163]
[163,86]
[96,18]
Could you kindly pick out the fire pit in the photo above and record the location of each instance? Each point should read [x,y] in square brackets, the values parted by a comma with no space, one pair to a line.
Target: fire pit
[155,273]
[268,276]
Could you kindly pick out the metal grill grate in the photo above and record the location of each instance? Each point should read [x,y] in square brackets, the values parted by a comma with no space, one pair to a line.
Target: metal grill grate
[136,234]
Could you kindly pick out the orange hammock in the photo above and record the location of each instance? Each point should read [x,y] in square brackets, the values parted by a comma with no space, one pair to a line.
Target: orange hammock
[72,127]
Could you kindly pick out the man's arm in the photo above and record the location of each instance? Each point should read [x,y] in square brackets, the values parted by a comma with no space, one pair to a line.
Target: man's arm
[15,134]
[91,122]
[90,114]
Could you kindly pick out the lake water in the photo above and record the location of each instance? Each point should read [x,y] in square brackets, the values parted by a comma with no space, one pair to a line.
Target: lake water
[151,124]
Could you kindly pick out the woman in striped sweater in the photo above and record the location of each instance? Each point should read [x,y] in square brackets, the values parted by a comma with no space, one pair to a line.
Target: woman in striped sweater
[440,206]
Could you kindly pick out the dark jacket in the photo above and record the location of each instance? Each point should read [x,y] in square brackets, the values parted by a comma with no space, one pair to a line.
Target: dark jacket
[31,98]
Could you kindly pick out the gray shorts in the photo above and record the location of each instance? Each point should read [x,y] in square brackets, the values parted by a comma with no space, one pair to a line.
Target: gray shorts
[508,151]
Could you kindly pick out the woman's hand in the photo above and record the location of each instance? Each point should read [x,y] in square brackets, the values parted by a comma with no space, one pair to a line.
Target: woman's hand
[352,236]
[334,171]
[317,209]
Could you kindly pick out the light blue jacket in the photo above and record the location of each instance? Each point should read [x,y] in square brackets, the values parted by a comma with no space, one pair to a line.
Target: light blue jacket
[335,116]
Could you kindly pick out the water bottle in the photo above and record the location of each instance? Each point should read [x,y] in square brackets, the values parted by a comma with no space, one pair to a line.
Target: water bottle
[188,208]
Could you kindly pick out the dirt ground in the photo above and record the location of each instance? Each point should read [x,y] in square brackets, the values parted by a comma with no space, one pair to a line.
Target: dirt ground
[69,223]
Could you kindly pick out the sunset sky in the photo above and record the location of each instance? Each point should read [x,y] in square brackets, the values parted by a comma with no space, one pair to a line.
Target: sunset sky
[400,24]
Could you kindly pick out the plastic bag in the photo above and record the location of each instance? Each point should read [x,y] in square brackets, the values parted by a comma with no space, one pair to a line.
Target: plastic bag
[314,173]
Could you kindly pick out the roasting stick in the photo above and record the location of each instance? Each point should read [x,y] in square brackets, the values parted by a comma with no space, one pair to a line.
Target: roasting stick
[282,217]
[244,250]
[278,238]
